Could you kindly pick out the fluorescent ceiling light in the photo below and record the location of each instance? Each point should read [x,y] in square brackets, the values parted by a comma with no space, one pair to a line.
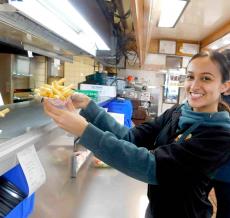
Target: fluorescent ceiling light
[62,18]
[220,43]
[171,11]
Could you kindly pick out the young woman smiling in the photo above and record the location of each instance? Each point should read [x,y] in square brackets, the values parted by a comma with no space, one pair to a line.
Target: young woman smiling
[177,154]
[204,83]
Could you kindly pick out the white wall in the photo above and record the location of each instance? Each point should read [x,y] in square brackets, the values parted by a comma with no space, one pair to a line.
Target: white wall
[152,75]
[153,78]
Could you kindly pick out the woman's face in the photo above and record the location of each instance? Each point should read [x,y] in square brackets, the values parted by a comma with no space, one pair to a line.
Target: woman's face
[203,85]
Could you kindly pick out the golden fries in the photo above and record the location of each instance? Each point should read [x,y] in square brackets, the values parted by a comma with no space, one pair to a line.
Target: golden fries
[55,90]
[4,112]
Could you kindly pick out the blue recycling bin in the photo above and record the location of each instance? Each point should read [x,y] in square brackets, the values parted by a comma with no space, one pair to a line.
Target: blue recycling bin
[121,106]
[24,208]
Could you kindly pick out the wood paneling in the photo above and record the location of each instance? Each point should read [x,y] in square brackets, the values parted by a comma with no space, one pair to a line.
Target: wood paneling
[137,11]
[148,24]
[179,44]
[141,11]
[216,35]
[6,77]
[154,46]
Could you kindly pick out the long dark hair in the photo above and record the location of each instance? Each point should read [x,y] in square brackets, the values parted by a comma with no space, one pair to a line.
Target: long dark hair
[222,60]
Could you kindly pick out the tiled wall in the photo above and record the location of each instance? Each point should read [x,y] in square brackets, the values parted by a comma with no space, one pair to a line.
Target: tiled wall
[39,71]
[21,82]
[75,72]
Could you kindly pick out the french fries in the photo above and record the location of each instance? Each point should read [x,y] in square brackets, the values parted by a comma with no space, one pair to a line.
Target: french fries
[4,112]
[55,90]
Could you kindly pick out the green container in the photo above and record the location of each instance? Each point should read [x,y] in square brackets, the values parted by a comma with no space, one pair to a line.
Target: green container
[91,93]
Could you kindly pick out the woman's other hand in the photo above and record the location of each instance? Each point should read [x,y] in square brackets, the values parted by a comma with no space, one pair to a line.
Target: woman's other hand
[80,101]
[67,119]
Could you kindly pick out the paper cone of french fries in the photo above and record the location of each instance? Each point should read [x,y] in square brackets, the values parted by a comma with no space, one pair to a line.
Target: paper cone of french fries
[54,91]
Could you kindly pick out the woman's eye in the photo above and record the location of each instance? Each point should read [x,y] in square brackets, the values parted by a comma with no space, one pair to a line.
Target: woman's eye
[205,78]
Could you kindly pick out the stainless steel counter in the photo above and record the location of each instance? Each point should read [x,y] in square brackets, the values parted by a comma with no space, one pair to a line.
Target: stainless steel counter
[94,193]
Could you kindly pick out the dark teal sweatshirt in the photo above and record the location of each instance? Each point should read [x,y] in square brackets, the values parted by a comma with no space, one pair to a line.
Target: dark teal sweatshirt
[105,138]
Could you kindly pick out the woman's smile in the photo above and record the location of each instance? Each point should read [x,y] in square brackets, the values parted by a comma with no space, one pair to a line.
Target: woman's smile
[195,95]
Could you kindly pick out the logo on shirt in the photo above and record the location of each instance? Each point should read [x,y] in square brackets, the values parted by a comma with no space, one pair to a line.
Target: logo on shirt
[189,136]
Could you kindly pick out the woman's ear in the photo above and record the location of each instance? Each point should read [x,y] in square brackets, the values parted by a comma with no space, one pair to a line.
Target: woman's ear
[226,88]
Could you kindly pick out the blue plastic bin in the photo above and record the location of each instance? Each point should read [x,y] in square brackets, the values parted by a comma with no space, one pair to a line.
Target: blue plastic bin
[24,208]
[122,107]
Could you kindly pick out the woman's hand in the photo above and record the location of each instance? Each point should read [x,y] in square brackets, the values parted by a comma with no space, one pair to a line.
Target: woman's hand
[67,119]
[80,100]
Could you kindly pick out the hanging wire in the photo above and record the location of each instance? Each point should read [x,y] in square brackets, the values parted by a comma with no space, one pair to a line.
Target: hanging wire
[124,41]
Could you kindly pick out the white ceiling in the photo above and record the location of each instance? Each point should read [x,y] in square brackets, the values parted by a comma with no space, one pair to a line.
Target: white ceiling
[200,19]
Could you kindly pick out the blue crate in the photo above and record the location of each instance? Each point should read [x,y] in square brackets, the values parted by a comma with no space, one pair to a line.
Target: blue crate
[122,106]
[24,208]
